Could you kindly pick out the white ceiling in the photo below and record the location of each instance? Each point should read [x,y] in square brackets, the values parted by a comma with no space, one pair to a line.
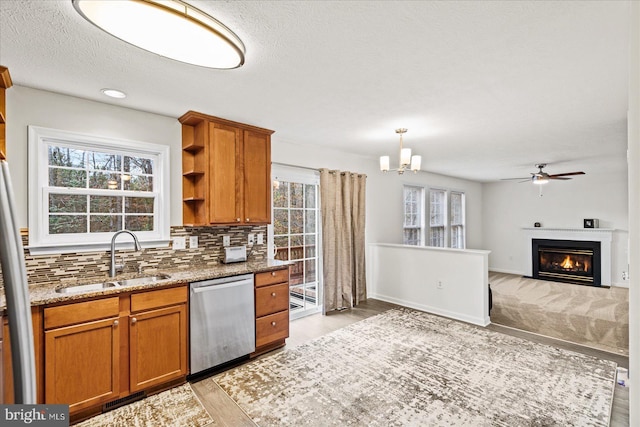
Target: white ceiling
[486,89]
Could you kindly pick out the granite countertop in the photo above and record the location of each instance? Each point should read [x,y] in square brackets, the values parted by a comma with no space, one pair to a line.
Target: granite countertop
[45,293]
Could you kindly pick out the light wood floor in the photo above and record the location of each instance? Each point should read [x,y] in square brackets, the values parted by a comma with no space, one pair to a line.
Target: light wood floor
[225,412]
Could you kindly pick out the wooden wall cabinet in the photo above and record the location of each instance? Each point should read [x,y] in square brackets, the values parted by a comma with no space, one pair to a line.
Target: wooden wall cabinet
[101,350]
[226,171]
[272,309]
[5,83]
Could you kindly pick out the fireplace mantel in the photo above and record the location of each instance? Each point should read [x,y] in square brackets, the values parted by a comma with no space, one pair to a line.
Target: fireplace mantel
[602,235]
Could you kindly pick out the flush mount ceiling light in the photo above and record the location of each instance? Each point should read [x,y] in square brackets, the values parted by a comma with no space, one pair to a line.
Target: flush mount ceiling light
[407,161]
[114,93]
[170,28]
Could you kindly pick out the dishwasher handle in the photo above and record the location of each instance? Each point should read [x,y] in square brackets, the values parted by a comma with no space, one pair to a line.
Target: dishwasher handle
[214,286]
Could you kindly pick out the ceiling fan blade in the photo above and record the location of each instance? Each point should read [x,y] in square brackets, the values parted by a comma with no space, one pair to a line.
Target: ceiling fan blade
[567,174]
[558,177]
[525,180]
[513,179]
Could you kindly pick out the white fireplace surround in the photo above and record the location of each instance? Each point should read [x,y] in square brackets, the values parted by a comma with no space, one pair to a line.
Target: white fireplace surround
[602,235]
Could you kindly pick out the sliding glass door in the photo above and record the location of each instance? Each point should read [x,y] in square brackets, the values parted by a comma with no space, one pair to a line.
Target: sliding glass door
[295,236]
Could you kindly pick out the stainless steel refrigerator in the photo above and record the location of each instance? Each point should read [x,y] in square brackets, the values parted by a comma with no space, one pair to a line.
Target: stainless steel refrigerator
[16,291]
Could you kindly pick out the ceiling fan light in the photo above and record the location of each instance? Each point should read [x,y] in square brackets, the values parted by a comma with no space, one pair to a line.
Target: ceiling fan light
[539,180]
[170,28]
[384,163]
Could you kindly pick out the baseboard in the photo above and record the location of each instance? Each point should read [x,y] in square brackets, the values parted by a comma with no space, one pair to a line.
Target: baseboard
[501,270]
[434,310]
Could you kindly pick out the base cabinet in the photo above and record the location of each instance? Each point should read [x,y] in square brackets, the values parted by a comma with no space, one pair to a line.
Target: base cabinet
[101,350]
[272,309]
[158,346]
[83,365]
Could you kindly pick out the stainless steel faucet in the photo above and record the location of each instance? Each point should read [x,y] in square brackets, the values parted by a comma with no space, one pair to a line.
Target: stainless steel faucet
[113,268]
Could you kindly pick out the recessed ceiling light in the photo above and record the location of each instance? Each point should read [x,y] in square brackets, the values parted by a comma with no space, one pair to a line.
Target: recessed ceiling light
[170,28]
[114,93]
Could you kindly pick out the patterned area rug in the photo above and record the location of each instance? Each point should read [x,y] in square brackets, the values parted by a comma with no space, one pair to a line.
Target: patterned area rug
[405,367]
[592,316]
[178,407]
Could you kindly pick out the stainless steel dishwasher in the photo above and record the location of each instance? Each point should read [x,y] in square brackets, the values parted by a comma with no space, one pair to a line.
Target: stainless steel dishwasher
[222,321]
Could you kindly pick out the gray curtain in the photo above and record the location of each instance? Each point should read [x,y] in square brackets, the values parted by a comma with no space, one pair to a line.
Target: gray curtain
[342,208]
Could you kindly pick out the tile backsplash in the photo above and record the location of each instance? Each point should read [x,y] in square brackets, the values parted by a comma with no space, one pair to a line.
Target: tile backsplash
[89,265]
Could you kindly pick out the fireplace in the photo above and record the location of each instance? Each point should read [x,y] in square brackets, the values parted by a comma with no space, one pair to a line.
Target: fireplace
[570,261]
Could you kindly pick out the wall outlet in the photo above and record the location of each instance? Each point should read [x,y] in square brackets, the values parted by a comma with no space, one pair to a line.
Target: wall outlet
[251,239]
[179,243]
[193,242]
[439,284]
[261,238]
[226,240]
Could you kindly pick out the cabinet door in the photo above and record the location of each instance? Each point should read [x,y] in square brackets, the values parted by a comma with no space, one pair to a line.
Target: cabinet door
[158,346]
[257,178]
[225,193]
[82,364]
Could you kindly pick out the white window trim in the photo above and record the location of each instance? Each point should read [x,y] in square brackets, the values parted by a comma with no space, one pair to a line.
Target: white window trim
[423,205]
[445,215]
[40,242]
[464,217]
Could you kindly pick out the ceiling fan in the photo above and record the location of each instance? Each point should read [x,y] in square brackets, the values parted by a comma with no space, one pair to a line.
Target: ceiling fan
[541,177]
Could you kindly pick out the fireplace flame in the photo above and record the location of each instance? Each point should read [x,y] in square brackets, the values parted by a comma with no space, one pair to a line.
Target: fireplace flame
[567,263]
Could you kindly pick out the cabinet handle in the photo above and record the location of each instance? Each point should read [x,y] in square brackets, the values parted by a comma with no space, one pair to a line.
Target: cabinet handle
[248,220]
[273,323]
[273,294]
[115,323]
[133,320]
[237,219]
[273,273]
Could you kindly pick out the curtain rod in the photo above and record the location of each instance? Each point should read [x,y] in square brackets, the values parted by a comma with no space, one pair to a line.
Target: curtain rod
[295,166]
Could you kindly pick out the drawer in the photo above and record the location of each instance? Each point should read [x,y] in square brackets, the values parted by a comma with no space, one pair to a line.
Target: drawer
[272,277]
[80,312]
[159,298]
[271,299]
[272,328]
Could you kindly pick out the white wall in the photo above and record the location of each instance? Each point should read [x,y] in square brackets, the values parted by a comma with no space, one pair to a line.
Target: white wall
[509,206]
[432,280]
[384,191]
[634,214]
[27,106]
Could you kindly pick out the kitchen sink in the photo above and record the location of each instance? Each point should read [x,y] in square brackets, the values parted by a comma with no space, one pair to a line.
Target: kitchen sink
[115,284]
[86,288]
[143,280]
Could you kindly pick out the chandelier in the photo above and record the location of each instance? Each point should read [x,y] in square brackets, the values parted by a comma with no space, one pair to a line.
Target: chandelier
[407,161]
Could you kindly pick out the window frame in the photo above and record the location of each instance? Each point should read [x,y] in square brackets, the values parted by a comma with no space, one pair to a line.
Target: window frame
[445,218]
[463,224]
[40,240]
[421,216]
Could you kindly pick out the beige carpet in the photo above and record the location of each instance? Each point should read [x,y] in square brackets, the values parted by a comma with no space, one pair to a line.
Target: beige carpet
[408,368]
[178,407]
[587,315]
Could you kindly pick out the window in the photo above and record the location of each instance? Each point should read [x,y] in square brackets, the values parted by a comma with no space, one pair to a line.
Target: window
[413,219]
[437,217]
[85,188]
[457,219]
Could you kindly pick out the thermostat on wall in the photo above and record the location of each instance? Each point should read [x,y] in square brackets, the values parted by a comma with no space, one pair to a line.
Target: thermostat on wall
[591,223]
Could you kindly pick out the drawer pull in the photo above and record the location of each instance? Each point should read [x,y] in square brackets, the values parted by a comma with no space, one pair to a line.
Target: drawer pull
[115,323]
[133,321]
[273,273]
[273,323]
[237,219]
[248,220]
[273,294]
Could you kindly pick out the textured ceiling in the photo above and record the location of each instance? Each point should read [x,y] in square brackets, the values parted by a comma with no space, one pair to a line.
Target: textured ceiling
[487,89]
